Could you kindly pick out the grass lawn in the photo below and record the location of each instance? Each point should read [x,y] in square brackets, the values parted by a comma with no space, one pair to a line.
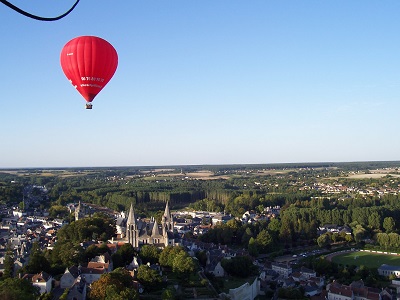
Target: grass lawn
[368,259]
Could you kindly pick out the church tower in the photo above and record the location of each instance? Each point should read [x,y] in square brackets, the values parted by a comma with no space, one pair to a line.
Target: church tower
[132,232]
[78,212]
[167,221]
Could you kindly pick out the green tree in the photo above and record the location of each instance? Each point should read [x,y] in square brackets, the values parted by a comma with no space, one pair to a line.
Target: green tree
[67,254]
[37,261]
[253,247]
[168,294]
[114,293]
[114,285]
[274,225]
[149,253]
[183,264]
[150,278]
[240,266]
[58,211]
[374,221]
[264,241]
[18,289]
[389,224]
[246,236]
[323,240]
[8,263]
[168,255]
[359,233]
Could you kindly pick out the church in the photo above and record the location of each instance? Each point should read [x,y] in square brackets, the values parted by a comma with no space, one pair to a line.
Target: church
[139,232]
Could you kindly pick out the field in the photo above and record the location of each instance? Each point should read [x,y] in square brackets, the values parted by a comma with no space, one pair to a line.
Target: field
[378,173]
[368,259]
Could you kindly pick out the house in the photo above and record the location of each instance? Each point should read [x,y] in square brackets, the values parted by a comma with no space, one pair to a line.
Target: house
[213,264]
[101,261]
[89,274]
[69,277]
[337,291]
[92,274]
[311,290]
[288,283]
[330,228]
[220,218]
[78,290]
[218,270]
[356,291]
[42,280]
[282,269]
[318,281]
[387,270]
[307,273]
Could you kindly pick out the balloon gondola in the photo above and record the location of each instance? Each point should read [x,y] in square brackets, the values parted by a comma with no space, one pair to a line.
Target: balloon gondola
[89,63]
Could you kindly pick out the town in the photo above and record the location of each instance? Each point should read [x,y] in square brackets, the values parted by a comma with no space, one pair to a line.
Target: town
[70,250]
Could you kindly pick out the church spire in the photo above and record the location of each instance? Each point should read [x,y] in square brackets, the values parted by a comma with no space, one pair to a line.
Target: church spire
[132,231]
[167,213]
[167,221]
[155,230]
[131,216]
[78,211]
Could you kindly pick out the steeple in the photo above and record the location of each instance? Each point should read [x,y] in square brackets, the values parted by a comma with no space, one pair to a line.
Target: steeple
[132,232]
[167,212]
[155,230]
[78,211]
[131,217]
[167,222]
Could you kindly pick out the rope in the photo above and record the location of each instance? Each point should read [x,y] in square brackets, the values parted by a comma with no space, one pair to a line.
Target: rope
[26,14]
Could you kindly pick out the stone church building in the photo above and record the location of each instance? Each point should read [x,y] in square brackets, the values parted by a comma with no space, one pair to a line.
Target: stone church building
[140,232]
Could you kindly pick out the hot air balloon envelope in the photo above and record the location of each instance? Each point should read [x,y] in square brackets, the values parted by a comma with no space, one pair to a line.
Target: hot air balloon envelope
[89,62]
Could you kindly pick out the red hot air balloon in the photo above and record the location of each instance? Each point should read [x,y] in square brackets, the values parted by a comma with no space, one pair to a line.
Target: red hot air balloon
[89,62]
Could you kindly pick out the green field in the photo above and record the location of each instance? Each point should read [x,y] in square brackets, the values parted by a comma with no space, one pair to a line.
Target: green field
[368,259]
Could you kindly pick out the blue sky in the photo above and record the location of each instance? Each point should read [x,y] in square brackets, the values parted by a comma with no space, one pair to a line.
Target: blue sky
[204,82]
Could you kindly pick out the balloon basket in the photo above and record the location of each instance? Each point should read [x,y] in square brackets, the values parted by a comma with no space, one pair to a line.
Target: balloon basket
[89,105]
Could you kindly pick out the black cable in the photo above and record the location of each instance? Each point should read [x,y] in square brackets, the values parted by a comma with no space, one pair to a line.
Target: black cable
[17,9]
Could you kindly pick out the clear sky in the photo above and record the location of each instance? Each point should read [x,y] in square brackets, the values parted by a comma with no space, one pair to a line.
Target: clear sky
[204,82]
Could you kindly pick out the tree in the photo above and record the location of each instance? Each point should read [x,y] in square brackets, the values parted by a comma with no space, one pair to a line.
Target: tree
[240,266]
[114,293]
[253,247]
[274,226]
[323,240]
[58,211]
[183,264]
[67,254]
[202,257]
[18,289]
[389,224]
[148,277]
[114,285]
[37,261]
[8,263]
[168,255]
[123,256]
[246,236]
[149,253]
[85,229]
[168,294]
[374,221]
[264,241]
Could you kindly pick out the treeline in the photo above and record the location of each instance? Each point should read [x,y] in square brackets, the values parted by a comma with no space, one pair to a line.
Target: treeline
[367,219]
[11,192]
